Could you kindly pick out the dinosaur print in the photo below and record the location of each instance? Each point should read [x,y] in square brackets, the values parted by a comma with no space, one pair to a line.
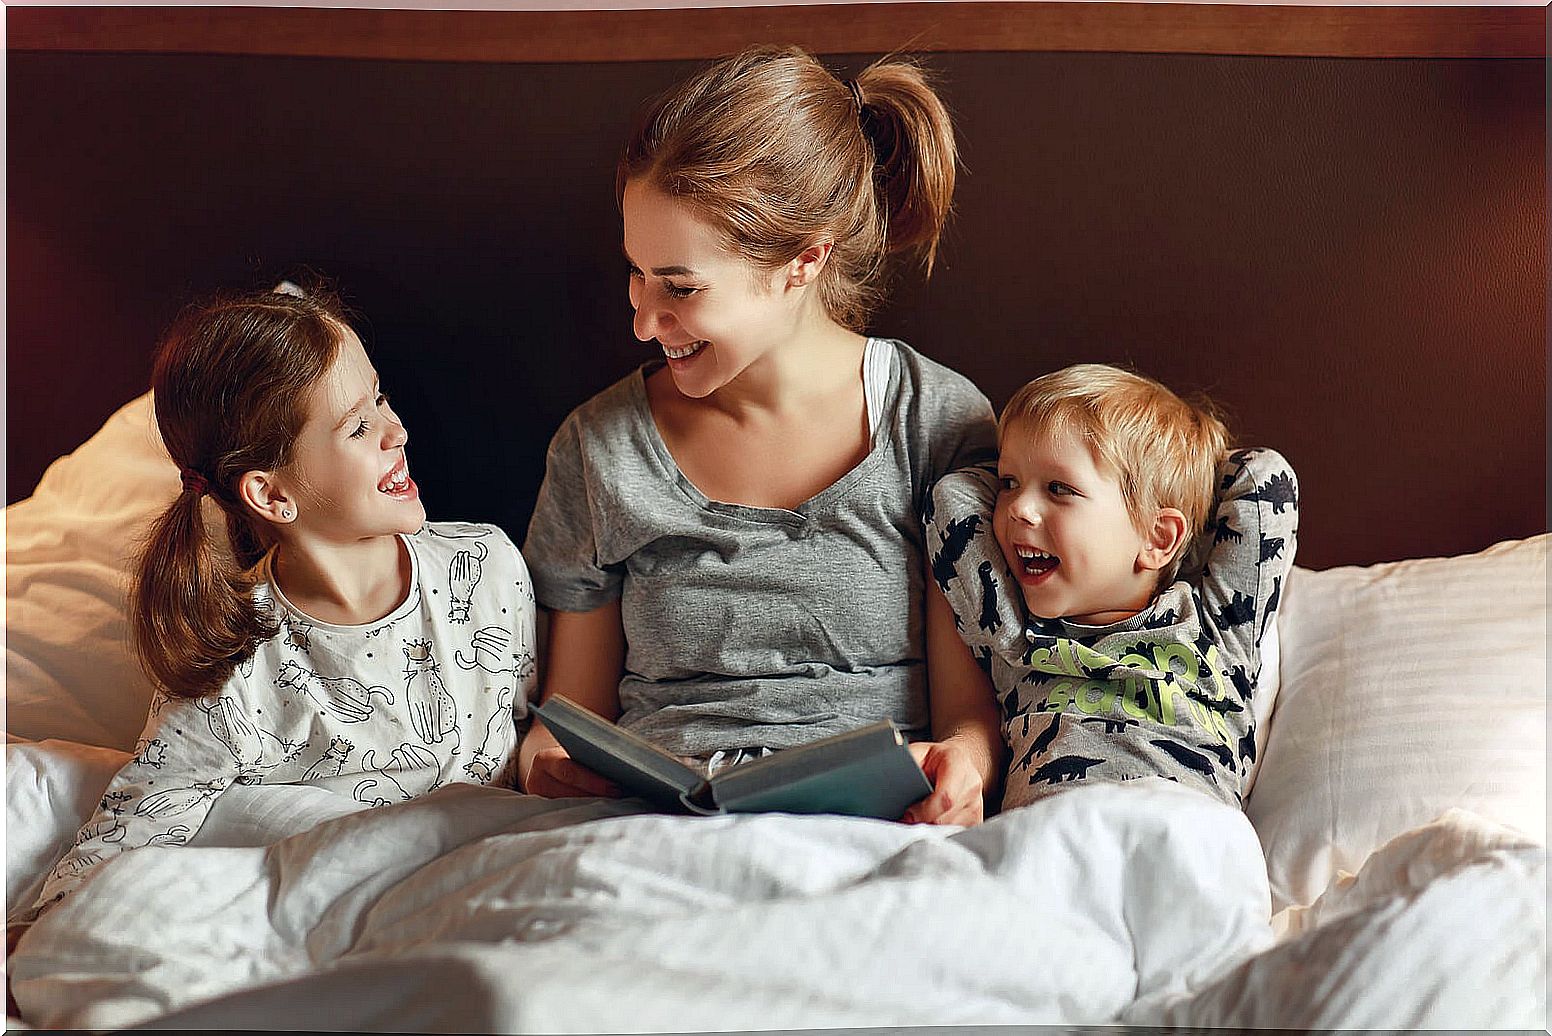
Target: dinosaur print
[1240,610]
[1112,724]
[1219,705]
[990,621]
[1272,601]
[1242,682]
[1067,768]
[1271,549]
[1279,491]
[1222,530]
[1223,753]
[1247,746]
[955,538]
[1040,744]
[1186,757]
[1168,692]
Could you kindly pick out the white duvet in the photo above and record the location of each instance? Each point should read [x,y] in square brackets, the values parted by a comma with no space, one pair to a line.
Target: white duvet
[477,910]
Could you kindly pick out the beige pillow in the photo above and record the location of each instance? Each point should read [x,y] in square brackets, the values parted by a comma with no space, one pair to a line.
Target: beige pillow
[70,670]
[1408,689]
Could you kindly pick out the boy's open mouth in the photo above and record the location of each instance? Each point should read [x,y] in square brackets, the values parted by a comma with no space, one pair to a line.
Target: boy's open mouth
[1034,562]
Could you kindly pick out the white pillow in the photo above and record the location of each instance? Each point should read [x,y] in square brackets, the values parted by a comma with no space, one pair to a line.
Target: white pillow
[1407,689]
[70,669]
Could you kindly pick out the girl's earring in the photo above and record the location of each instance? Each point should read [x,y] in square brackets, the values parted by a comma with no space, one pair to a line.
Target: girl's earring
[286,514]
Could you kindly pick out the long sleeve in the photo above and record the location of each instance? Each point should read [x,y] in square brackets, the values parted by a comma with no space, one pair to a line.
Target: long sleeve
[1253,536]
[189,752]
[968,565]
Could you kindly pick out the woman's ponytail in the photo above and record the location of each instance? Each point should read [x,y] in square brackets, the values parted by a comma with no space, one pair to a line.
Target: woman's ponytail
[914,153]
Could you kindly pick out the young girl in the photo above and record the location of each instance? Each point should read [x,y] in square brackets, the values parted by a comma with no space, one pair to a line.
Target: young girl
[728,539]
[342,642]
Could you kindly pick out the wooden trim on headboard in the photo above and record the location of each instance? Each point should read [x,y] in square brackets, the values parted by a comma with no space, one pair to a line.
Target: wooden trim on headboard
[695,33]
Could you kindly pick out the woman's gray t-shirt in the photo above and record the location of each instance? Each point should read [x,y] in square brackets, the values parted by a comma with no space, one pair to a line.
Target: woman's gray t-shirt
[755,626]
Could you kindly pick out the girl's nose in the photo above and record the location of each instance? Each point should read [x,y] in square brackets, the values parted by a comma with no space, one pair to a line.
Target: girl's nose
[396,434]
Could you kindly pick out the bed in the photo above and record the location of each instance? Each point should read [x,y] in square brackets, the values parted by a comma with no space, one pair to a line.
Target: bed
[1388,872]
[1353,251]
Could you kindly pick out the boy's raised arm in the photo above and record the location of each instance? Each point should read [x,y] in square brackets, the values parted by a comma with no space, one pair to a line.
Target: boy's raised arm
[1249,547]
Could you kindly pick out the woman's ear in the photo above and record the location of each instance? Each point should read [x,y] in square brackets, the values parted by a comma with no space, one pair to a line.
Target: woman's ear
[263,494]
[1163,539]
[806,266]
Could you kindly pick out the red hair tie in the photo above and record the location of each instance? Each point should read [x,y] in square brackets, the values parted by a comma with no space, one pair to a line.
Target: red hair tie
[193,480]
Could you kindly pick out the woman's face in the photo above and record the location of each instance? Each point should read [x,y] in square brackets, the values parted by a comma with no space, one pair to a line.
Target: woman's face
[712,312]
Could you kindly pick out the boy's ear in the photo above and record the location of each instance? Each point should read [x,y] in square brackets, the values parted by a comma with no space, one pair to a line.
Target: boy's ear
[1163,539]
[805,267]
[262,493]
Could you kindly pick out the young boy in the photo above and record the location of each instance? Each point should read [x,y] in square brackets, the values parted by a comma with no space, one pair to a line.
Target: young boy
[1107,665]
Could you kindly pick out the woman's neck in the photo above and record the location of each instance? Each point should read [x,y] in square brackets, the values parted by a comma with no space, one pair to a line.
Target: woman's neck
[343,584]
[820,359]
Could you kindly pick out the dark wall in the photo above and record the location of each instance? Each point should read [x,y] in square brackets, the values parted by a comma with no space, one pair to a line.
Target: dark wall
[1348,254]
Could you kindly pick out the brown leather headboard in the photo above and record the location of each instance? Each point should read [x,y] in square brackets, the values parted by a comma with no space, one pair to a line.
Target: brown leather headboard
[1343,246]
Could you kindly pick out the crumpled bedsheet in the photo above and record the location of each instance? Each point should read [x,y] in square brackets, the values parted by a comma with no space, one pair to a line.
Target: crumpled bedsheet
[478,910]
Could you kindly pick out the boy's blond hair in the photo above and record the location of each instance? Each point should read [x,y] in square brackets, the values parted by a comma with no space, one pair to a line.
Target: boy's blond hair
[1163,450]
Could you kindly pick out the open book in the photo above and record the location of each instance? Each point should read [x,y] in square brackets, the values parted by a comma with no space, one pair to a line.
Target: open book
[867,772]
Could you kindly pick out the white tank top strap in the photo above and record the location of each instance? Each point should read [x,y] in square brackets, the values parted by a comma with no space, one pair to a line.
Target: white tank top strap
[875,379]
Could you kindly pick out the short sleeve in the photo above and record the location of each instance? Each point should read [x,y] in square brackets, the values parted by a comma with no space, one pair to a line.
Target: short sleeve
[561,548]
[961,429]
[968,565]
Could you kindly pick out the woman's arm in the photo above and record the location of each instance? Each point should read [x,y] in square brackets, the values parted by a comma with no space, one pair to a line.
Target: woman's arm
[582,658]
[964,761]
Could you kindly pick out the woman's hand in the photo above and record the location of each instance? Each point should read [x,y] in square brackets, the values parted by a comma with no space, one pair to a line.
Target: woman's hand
[555,775]
[957,788]
[965,763]
[582,656]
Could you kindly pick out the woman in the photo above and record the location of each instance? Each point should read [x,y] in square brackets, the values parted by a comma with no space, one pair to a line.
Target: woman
[728,540]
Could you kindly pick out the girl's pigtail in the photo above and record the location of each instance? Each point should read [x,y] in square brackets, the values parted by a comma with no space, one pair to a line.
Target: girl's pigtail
[914,154]
[192,610]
